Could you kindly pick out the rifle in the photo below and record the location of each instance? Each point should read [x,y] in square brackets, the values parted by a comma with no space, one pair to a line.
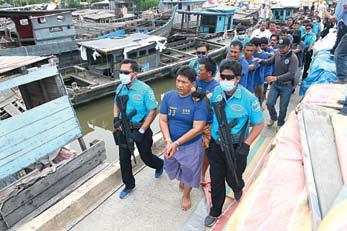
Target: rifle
[225,138]
[121,101]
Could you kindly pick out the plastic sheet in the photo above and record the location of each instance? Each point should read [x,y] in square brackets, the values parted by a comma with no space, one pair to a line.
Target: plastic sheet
[277,200]
[322,70]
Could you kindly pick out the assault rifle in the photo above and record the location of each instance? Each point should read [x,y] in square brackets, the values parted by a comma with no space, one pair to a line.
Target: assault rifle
[225,138]
[121,101]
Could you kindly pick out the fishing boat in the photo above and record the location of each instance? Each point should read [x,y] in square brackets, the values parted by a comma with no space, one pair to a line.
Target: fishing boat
[149,23]
[42,33]
[37,169]
[214,20]
[100,76]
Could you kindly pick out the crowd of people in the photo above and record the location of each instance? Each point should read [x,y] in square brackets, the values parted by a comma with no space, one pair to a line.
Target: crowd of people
[216,111]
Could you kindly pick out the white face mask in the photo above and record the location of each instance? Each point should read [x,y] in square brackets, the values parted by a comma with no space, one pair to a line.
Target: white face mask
[125,79]
[227,85]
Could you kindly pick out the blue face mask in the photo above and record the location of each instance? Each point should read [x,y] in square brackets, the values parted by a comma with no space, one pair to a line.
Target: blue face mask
[200,56]
[227,85]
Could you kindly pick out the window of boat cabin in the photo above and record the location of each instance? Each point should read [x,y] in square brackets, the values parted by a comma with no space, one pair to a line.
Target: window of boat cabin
[24,22]
[60,18]
[152,51]
[132,55]
[143,53]
[41,20]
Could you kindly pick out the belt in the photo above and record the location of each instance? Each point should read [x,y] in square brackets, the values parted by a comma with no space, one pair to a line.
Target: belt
[287,82]
[135,125]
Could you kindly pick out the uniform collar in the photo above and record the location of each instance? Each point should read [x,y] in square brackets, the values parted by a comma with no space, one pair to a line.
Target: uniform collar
[134,86]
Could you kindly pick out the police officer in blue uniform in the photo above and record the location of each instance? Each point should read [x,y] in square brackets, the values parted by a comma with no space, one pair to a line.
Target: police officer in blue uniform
[201,52]
[244,108]
[141,100]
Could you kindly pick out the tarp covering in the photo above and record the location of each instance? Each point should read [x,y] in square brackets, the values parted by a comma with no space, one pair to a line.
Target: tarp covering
[322,70]
[277,199]
[114,34]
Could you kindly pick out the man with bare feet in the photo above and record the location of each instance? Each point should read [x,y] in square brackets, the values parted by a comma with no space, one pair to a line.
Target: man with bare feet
[182,121]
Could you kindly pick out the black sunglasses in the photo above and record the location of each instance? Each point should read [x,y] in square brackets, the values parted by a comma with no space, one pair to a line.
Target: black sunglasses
[308,28]
[227,77]
[124,72]
[201,52]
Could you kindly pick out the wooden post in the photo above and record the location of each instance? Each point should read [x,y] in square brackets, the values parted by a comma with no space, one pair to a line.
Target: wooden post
[182,21]
[82,143]
[197,23]
[187,21]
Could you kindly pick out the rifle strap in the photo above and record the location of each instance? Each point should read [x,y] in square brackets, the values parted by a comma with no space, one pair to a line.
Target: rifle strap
[243,133]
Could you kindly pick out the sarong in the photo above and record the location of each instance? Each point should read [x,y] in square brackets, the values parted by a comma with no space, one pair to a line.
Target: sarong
[185,165]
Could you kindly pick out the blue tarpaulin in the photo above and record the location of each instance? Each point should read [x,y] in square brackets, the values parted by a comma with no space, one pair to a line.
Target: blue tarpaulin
[113,34]
[322,70]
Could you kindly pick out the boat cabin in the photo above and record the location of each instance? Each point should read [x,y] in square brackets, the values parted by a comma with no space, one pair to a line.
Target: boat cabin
[283,13]
[211,20]
[41,27]
[104,55]
[35,165]
[43,33]
[185,5]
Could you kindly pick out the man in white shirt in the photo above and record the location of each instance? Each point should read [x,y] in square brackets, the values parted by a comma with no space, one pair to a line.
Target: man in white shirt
[262,31]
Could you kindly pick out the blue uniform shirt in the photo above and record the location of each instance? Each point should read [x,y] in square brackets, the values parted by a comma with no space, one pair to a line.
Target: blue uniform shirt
[195,65]
[244,75]
[316,28]
[181,113]
[269,69]
[242,106]
[206,86]
[259,76]
[309,39]
[244,41]
[141,99]
[251,75]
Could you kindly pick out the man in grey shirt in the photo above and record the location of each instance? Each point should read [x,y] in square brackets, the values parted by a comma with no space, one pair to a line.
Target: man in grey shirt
[282,80]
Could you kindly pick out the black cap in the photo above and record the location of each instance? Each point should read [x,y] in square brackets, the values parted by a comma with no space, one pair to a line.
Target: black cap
[284,41]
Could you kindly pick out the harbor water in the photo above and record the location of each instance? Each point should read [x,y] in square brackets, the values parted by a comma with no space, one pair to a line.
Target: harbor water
[96,117]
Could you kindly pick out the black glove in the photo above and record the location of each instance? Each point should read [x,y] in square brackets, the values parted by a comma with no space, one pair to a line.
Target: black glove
[116,122]
[138,136]
[243,149]
[198,94]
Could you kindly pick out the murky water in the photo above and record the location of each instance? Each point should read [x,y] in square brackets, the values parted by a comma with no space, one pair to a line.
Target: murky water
[100,112]
[97,116]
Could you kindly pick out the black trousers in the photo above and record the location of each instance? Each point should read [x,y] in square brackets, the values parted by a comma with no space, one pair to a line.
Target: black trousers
[341,31]
[145,150]
[219,174]
[307,62]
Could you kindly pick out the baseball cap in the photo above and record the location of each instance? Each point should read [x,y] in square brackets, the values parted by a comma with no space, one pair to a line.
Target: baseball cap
[284,41]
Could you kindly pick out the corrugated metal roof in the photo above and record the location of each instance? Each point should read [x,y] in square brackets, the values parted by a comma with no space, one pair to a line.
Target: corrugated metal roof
[134,40]
[9,63]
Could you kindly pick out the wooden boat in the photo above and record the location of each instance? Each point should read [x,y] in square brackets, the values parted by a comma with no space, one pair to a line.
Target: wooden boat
[158,25]
[212,20]
[100,76]
[245,17]
[36,169]
[42,33]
